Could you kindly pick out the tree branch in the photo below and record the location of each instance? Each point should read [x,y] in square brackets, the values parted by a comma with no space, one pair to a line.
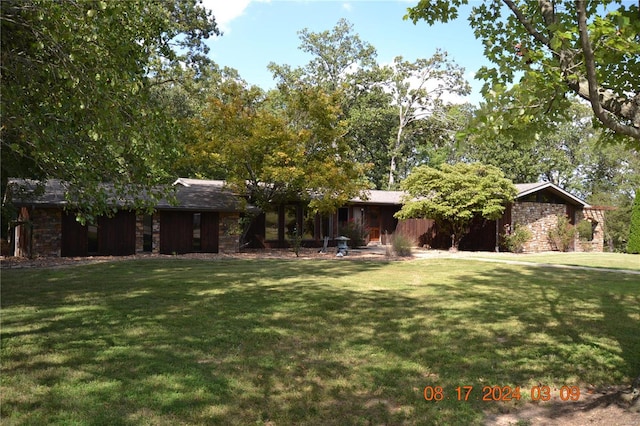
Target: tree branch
[526,23]
[594,94]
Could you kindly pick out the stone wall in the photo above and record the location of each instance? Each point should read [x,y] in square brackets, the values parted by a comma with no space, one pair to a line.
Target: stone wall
[139,233]
[47,232]
[155,233]
[540,218]
[596,217]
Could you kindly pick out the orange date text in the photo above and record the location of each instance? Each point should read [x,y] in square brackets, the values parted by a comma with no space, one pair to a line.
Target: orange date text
[435,393]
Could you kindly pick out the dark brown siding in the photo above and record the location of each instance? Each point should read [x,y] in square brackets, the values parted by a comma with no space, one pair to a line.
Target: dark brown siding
[176,232]
[421,231]
[117,235]
[209,232]
[74,237]
[481,236]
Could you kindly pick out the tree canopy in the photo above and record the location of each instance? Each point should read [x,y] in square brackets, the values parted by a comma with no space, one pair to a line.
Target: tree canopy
[282,146]
[80,81]
[453,195]
[589,48]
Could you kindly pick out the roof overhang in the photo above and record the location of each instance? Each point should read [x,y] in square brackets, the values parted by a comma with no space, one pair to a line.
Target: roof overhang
[525,189]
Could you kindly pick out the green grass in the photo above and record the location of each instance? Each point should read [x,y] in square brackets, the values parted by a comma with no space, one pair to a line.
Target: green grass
[304,342]
[594,260]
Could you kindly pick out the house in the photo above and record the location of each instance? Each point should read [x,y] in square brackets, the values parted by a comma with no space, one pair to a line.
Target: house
[538,205]
[373,213]
[207,217]
[203,218]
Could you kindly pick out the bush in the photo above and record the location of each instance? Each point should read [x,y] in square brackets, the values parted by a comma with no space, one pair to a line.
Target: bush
[585,230]
[516,240]
[563,235]
[356,233]
[401,245]
[633,243]
[295,241]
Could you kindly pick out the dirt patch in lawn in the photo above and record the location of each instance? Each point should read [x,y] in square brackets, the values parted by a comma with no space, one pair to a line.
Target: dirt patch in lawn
[611,406]
[374,253]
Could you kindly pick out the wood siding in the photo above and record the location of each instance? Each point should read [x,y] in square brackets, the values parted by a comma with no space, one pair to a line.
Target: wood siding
[117,235]
[176,232]
[209,232]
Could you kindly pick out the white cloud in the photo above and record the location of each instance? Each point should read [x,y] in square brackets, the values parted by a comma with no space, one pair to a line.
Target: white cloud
[347,6]
[226,11]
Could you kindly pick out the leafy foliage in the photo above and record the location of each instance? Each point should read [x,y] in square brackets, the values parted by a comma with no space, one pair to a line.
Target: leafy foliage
[518,237]
[79,81]
[277,147]
[417,90]
[454,194]
[563,235]
[384,109]
[401,245]
[543,50]
[633,246]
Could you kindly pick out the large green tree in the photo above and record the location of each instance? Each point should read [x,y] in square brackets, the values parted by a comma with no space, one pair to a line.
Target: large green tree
[588,48]
[277,147]
[82,89]
[453,195]
[418,90]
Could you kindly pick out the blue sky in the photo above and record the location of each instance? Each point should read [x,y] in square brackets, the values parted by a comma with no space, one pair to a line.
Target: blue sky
[257,32]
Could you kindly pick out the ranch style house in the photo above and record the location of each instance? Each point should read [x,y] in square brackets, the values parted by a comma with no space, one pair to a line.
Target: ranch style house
[208,218]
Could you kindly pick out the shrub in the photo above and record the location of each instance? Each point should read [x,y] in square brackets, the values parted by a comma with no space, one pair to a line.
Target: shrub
[563,235]
[401,245]
[633,243]
[516,240]
[356,233]
[585,230]
[295,241]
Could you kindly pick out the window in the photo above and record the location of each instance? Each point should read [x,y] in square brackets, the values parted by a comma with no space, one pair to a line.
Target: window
[197,242]
[92,235]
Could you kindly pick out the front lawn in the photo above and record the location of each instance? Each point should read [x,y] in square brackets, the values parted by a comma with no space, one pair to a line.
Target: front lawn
[589,259]
[306,342]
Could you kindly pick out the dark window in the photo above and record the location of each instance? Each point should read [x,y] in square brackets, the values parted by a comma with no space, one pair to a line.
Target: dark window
[92,235]
[147,233]
[197,242]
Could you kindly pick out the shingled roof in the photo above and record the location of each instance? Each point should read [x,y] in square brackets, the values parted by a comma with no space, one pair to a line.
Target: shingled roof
[196,195]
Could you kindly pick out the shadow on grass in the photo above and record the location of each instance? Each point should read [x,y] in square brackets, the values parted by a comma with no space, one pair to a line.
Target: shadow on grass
[326,342]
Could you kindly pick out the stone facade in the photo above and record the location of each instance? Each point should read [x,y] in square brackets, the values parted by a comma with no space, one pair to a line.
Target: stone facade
[596,217]
[540,218]
[46,239]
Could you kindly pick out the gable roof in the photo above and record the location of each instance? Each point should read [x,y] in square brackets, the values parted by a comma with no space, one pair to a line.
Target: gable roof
[525,189]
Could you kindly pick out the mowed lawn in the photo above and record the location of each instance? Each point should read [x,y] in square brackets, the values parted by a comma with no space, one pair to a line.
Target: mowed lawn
[305,342]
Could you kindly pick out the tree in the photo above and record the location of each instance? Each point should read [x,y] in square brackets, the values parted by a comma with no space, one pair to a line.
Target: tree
[80,92]
[417,90]
[453,195]
[284,146]
[578,46]
[633,246]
